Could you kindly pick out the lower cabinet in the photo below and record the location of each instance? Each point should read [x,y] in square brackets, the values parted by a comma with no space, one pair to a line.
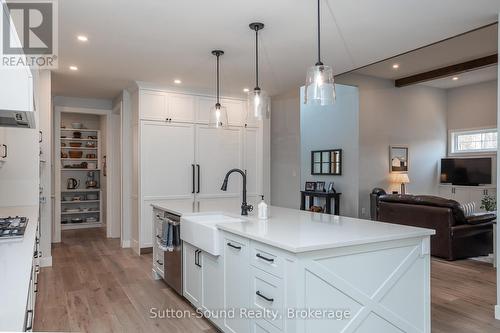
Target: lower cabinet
[236,281]
[192,267]
[466,194]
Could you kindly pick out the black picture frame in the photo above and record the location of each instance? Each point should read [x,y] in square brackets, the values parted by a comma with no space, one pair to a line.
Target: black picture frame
[326,162]
[310,186]
[320,186]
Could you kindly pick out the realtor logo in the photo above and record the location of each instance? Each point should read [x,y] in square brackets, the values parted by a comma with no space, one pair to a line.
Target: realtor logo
[29,34]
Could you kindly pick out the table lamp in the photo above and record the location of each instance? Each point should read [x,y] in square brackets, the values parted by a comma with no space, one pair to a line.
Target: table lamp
[401,178]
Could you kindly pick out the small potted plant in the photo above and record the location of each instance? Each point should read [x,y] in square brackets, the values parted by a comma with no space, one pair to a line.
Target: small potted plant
[489,203]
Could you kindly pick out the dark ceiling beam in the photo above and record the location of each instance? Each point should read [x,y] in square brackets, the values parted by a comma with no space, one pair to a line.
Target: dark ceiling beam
[447,71]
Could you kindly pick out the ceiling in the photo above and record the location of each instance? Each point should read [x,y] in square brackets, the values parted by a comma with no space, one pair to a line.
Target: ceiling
[473,77]
[473,45]
[162,40]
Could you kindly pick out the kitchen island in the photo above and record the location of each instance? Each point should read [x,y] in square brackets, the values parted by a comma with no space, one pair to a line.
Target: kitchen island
[303,272]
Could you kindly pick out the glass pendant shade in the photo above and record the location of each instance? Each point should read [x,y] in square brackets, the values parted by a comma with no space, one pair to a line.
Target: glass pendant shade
[218,116]
[320,86]
[258,105]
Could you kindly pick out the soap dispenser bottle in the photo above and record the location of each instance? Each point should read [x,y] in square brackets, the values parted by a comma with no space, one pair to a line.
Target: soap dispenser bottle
[262,208]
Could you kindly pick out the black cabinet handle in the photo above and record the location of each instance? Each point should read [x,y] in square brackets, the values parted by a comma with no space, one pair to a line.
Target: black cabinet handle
[198,166]
[258,255]
[4,151]
[36,287]
[192,165]
[234,246]
[158,237]
[159,262]
[264,297]
[29,314]
[197,258]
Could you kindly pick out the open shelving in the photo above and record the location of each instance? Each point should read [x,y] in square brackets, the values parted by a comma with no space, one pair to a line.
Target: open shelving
[88,208]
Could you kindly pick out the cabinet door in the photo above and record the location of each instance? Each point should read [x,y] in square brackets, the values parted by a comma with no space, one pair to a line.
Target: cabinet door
[462,195]
[192,263]
[167,158]
[4,149]
[181,107]
[236,111]
[203,108]
[213,285]
[476,195]
[218,151]
[446,192]
[237,282]
[253,161]
[152,105]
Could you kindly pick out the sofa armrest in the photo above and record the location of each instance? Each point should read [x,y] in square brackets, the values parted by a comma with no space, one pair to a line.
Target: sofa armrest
[479,218]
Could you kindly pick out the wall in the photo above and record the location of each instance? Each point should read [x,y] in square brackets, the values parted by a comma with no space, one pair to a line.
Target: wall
[88,103]
[285,150]
[472,106]
[414,116]
[333,127]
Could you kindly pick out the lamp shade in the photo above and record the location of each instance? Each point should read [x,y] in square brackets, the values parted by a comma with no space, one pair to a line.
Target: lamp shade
[258,105]
[320,86]
[400,178]
[218,117]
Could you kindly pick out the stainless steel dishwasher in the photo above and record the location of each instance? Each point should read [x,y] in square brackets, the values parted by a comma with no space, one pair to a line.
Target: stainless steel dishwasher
[173,259]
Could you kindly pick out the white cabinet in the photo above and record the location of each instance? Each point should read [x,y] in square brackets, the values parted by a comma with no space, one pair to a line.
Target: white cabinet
[192,264]
[236,281]
[4,148]
[158,257]
[218,151]
[236,111]
[212,285]
[466,194]
[181,108]
[152,105]
[203,109]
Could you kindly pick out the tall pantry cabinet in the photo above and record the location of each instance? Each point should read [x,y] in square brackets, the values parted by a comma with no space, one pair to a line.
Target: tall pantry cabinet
[176,156]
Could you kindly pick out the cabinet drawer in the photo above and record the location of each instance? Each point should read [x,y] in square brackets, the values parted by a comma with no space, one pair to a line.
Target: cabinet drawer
[262,326]
[267,293]
[267,259]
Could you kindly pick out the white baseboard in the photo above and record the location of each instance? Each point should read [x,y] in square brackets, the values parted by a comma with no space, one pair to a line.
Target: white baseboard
[135,246]
[497,312]
[126,244]
[46,261]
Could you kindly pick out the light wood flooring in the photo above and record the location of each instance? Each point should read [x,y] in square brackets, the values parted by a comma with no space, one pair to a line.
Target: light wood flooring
[95,286]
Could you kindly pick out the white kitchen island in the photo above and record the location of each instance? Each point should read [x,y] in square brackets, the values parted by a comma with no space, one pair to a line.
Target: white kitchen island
[303,272]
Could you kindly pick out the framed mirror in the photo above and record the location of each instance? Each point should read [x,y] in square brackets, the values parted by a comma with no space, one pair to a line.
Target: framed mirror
[398,159]
[326,162]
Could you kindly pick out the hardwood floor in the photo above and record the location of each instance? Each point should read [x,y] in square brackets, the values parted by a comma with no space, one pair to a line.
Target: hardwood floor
[95,286]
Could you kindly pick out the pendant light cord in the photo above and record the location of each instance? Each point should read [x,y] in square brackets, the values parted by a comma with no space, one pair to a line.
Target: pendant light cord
[256,58]
[218,78]
[319,63]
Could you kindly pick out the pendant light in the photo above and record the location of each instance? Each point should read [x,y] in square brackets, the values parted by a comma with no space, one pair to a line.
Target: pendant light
[258,100]
[218,113]
[320,84]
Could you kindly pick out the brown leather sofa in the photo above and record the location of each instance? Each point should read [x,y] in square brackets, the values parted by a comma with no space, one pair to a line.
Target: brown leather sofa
[457,236]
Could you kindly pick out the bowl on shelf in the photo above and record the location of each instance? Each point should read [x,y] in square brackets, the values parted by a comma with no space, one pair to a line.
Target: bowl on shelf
[77,125]
[77,135]
[92,166]
[67,198]
[75,154]
[92,137]
[76,198]
[64,221]
[91,156]
[64,155]
[77,220]
[75,144]
[86,209]
[72,210]
[91,219]
[90,144]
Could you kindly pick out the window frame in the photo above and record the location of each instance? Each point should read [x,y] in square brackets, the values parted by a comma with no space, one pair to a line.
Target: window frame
[453,134]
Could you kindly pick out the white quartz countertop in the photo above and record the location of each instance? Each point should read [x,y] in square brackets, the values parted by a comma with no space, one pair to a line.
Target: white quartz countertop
[16,258]
[301,231]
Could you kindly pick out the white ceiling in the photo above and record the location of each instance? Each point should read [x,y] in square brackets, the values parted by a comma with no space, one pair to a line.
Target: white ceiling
[480,75]
[159,40]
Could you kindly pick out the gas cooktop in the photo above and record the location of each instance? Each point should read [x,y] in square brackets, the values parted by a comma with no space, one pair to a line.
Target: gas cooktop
[12,227]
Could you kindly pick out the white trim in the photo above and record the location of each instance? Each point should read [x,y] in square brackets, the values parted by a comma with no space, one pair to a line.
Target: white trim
[46,261]
[126,244]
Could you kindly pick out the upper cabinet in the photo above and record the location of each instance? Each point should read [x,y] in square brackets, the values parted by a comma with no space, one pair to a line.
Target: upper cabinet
[185,108]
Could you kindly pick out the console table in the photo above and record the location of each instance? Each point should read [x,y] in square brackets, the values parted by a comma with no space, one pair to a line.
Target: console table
[327,195]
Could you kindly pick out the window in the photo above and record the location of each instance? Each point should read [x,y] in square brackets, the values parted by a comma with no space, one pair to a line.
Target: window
[476,141]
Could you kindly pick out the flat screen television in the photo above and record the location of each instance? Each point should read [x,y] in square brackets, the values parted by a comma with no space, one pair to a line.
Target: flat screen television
[466,171]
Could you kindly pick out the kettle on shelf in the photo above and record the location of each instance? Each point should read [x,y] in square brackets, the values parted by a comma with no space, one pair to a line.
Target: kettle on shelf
[72,184]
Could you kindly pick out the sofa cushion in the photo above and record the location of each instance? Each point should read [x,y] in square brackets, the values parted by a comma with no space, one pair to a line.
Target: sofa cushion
[427,200]
[478,218]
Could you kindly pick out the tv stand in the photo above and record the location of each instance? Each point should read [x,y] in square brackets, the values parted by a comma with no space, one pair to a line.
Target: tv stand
[464,194]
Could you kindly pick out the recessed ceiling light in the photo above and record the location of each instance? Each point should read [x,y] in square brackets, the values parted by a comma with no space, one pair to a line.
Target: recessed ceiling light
[73,68]
[395,66]
[455,78]
[246,90]
[82,38]
[177,81]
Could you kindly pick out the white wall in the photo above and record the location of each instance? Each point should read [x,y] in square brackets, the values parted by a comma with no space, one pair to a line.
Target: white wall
[333,127]
[414,116]
[472,106]
[88,103]
[285,150]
